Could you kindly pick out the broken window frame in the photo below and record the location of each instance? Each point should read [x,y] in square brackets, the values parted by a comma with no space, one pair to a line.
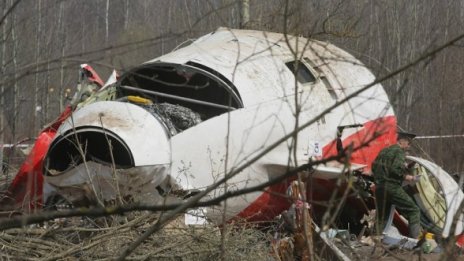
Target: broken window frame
[318,75]
[321,76]
[301,65]
[165,91]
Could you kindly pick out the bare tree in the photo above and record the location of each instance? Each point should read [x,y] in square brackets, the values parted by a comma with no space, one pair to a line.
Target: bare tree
[385,35]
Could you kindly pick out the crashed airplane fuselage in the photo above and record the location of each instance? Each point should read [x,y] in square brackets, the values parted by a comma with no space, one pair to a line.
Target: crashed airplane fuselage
[182,121]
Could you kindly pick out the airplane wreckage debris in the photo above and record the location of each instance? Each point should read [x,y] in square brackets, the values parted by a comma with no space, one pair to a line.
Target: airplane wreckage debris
[177,124]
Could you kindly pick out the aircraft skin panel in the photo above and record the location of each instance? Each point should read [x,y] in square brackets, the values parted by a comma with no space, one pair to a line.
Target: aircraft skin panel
[247,59]
[429,200]
[131,123]
[26,188]
[102,183]
[380,133]
[204,160]
[346,75]
[269,106]
[452,194]
[254,129]
[255,79]
[267,204]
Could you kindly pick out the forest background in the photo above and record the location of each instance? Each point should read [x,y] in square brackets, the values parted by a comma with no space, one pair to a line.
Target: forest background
[43,42]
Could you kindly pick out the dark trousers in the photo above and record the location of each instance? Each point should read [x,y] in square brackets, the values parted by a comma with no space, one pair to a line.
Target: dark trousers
[393,194]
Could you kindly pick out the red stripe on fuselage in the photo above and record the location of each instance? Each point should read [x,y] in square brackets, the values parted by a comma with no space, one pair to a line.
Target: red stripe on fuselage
[25,191]
[273,201]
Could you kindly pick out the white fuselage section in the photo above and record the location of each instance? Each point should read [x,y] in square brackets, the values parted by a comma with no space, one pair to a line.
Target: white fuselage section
[255,63]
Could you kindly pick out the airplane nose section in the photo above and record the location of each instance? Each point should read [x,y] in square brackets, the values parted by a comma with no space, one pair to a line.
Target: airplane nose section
[107,138]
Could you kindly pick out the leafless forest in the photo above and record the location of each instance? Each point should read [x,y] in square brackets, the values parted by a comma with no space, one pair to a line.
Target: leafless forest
[43,42]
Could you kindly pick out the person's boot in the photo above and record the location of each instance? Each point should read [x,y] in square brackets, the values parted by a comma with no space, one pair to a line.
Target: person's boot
[415,230]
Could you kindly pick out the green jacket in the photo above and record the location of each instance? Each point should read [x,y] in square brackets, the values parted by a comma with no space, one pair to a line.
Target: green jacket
[389,166]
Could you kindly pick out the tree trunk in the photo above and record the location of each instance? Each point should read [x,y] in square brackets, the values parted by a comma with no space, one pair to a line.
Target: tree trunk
[244,13]
[36,107]
[63,45]
[106,21]
[15,79]
[2,89]
[126,15]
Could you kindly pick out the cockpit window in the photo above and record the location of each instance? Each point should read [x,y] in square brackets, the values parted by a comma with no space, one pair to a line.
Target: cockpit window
[301,72]
[187,86]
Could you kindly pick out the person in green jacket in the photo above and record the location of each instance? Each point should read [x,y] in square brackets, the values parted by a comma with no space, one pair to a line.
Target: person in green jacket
[390,170]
